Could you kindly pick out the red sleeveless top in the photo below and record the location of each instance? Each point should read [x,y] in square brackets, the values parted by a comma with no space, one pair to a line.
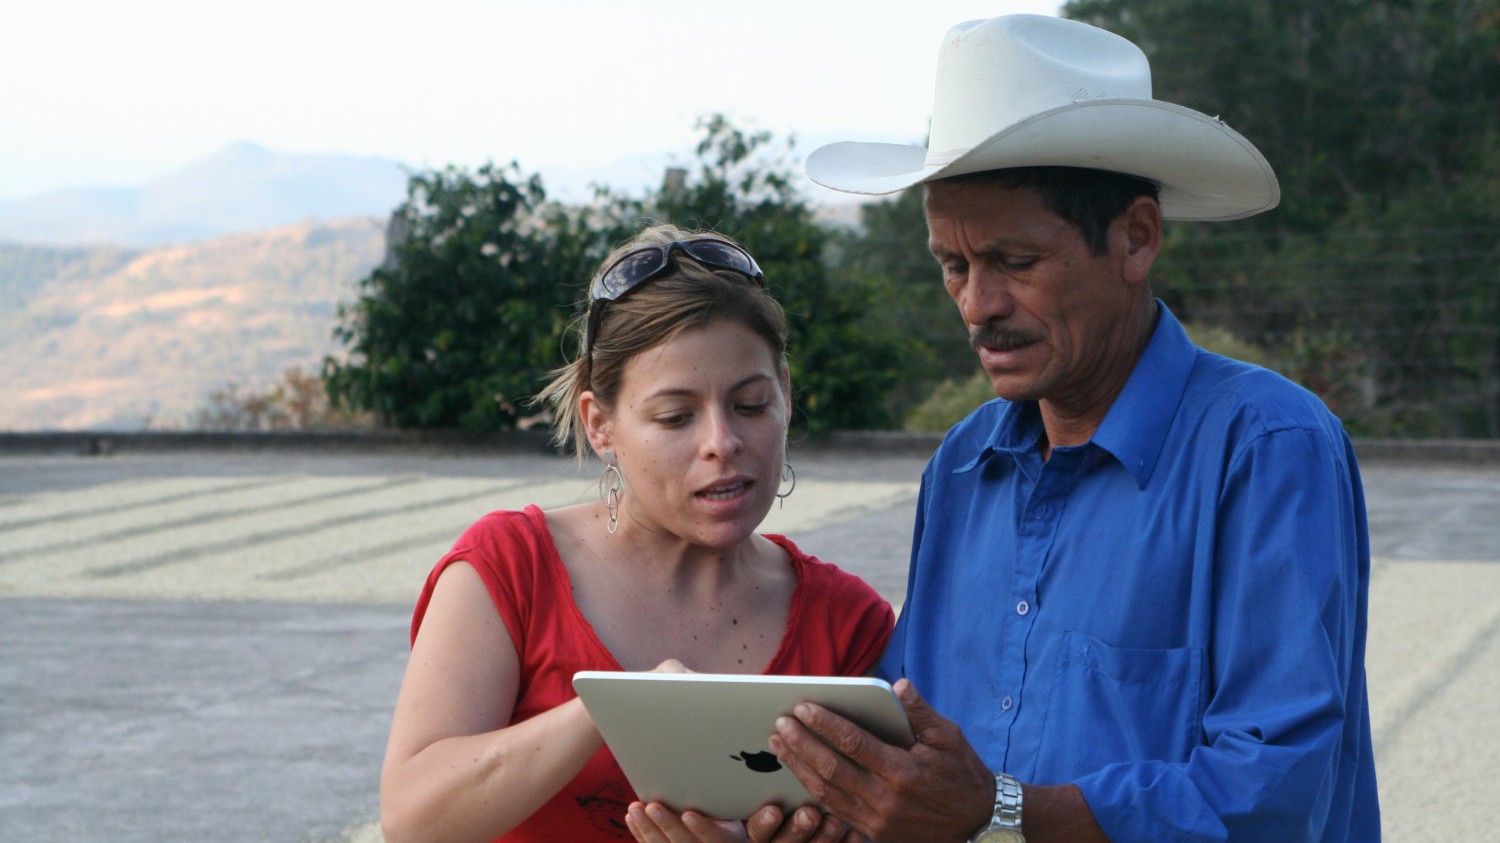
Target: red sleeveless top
[837,626]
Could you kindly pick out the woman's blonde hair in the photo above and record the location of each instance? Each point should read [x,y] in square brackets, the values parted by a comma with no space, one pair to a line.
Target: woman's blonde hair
[689,295]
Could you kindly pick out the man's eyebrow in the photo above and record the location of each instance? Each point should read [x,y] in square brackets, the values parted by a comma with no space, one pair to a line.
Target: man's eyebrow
[996,247]
[939,252]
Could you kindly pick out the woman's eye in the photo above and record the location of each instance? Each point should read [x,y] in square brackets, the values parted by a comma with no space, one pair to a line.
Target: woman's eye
[754,409]
[673,420]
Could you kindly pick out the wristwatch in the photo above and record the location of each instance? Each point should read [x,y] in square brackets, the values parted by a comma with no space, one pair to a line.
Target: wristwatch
[1005,824]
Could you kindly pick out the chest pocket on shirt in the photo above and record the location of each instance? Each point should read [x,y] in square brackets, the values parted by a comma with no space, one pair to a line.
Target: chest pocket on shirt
[1112,704]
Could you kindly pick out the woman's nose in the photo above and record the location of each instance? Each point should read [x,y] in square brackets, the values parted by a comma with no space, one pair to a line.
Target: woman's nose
[721,438]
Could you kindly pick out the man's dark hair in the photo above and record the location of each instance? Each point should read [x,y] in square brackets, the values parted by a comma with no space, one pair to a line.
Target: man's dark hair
[1089,199]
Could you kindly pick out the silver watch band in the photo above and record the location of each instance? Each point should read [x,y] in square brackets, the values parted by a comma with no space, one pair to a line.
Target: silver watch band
[1005,823]
[1007,802]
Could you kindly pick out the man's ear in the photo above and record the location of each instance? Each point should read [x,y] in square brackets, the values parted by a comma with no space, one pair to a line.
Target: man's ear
[596,422]
[1140,228]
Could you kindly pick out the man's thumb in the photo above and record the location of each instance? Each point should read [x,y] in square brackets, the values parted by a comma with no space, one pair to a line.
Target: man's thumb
[924,718]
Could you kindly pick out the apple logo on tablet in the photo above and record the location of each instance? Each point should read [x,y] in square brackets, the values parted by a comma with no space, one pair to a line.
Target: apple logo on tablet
[760,762]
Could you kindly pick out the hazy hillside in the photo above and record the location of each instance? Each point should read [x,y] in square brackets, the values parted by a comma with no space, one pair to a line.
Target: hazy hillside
[115,339]
[242,188]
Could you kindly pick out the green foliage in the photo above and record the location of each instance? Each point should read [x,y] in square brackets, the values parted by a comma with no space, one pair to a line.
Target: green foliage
[1220,340]
[1374,282]
[466,317]
[744,187]
[948,403]
[1348,99]
[1393,317]
[1413,286]
[1328,361]
[887,257]
[298,402]
[469,315]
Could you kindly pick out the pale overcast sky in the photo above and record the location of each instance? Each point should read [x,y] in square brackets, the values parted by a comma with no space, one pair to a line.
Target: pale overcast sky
[105,93]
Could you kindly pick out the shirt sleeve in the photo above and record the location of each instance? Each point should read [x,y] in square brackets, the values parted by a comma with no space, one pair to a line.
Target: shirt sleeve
[856,620]
[873,623]
[502,550]
[1291,564]
[892,664]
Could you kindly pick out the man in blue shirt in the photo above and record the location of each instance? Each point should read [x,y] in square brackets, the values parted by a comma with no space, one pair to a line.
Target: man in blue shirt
[1137,601]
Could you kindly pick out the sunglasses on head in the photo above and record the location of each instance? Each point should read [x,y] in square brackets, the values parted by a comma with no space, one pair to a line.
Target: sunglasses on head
[638,266]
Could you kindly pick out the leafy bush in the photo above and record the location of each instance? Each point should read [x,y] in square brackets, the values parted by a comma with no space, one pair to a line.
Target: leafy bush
[471,310]
[466,316]
[298,402]
[950,402]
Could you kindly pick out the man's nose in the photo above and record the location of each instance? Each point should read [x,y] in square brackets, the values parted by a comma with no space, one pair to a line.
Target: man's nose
[985,297]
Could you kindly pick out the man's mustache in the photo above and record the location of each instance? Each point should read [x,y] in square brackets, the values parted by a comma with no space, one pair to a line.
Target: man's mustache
[999,337]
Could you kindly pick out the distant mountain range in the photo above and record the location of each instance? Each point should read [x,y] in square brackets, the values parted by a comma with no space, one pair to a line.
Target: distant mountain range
[124,308]
[242,188]
[106,338]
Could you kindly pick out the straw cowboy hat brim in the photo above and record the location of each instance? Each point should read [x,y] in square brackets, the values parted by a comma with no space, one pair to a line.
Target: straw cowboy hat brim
[1028,91]
[1206,170]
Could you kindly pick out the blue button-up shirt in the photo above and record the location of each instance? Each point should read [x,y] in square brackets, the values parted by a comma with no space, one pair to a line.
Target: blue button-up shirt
[1171,616]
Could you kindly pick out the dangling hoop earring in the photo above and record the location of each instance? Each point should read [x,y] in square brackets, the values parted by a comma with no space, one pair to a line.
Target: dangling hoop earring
[787,473]
[611,483]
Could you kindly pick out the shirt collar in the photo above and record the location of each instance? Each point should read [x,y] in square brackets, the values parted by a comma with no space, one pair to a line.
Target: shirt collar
[1134,431]
[1017,430]
[1136,426]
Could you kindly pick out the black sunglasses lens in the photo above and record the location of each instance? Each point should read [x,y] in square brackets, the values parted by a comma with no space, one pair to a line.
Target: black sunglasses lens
[642,265]
[720,254]
[630,271]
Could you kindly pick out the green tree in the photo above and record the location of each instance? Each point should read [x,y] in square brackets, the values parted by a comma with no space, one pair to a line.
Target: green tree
[1348,99]
[886,255]
[1374,282]
[743,185]
[470,311]
[465,318]
[1412,285]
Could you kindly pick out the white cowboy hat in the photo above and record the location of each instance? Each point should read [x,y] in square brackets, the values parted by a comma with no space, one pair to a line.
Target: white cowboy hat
[1033,90]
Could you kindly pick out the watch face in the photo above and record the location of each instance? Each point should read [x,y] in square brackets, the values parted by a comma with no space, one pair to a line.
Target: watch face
[999,835]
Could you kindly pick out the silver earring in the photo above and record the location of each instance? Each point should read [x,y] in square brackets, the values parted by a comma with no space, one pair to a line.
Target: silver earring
[786,474]
[611,483]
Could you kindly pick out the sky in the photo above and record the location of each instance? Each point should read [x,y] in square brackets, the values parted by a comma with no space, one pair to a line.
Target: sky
[101,93]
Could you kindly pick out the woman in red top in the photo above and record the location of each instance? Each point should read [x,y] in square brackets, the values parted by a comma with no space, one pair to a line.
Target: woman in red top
[681,387]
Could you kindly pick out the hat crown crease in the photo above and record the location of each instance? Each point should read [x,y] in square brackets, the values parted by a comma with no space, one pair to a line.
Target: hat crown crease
[998,72]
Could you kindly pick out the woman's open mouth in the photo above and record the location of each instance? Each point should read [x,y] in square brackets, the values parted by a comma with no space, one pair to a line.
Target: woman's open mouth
[725,491]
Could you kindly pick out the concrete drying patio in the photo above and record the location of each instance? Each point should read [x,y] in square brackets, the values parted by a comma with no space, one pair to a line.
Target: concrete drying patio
[206,645]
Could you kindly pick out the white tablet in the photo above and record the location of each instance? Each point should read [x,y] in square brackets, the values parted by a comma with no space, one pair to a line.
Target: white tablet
[698,740]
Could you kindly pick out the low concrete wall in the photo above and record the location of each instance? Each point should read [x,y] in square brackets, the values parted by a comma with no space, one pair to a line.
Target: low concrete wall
[887,443]
[1478,452]
[1458,452]
[94,443]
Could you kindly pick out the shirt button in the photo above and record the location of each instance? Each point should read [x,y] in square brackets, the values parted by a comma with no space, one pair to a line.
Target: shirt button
[1006,703]
[1023,607]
